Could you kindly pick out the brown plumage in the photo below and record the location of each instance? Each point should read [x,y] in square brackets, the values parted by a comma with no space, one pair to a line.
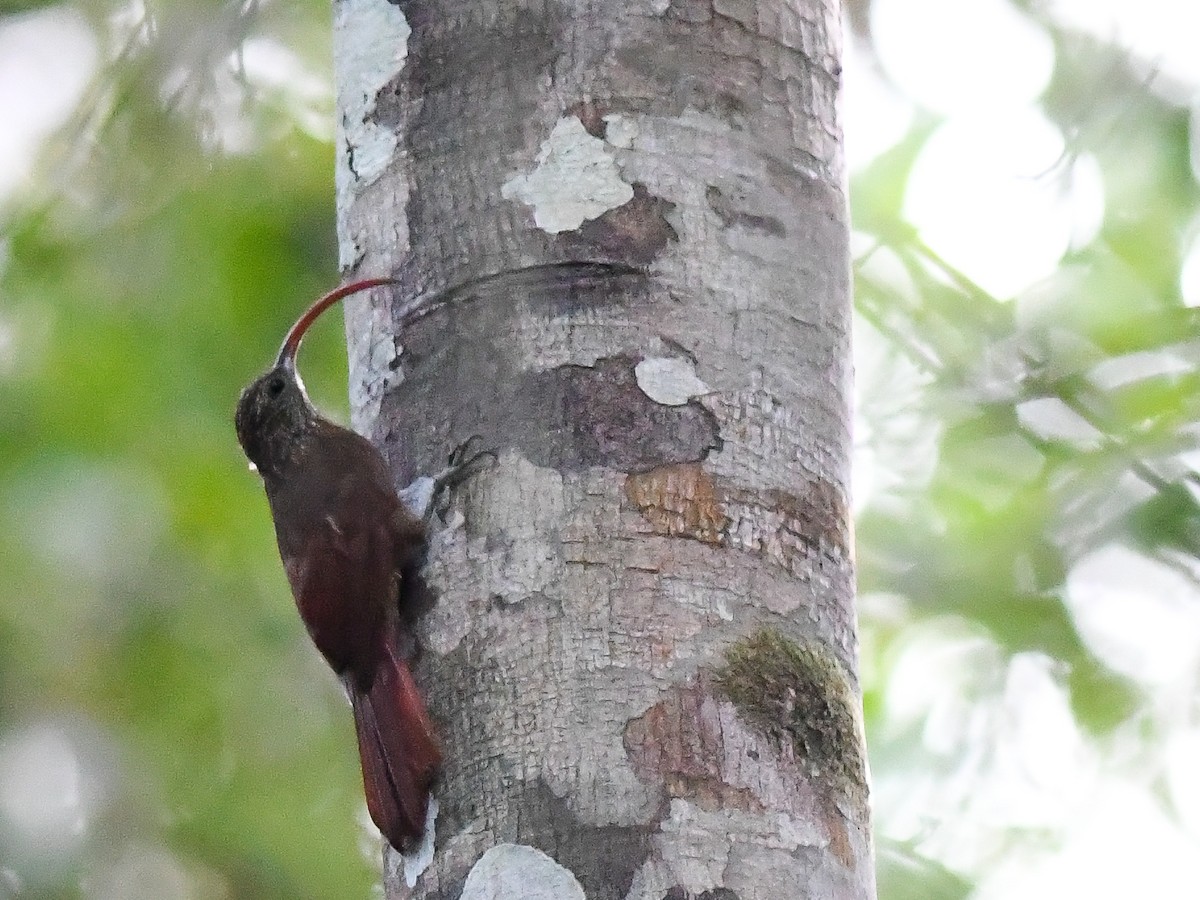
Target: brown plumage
[348,546]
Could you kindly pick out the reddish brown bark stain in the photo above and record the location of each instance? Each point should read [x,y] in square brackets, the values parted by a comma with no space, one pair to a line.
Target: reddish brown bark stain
[679,892]
[635,232]
[678,743]
[608,420]
[591,113]
[729,212]
[686,501]
[839,835]
[679,501]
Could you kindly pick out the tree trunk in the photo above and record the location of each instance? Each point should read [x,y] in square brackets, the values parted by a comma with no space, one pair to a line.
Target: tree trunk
[623,227]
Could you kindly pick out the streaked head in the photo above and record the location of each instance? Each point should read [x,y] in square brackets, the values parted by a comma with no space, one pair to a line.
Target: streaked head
[274,411]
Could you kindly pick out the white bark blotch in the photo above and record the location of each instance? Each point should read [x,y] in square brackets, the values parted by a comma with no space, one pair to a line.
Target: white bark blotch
[420,857]
[418,496]
[372,352]
[575,179]
[529,564]
[620,130]
[672,382]
[370,46]
[515,870]
[509,553]
[701,850]
[694,850]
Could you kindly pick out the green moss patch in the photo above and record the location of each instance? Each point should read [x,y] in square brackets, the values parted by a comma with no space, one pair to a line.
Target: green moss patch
[800,697]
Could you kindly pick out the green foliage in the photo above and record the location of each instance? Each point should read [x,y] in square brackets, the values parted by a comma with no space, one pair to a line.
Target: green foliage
[14,7]
[909,876]
[142,288]
[986,541]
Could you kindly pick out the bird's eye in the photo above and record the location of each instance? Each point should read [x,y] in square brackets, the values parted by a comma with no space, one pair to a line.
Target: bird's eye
[275,388]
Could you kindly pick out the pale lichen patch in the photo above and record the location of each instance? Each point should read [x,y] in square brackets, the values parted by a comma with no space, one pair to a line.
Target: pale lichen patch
[575,179]
[418,496]
[516,870]
[672,382]
[522,500]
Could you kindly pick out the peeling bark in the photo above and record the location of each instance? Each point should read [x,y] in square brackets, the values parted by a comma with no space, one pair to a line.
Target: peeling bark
[620,234]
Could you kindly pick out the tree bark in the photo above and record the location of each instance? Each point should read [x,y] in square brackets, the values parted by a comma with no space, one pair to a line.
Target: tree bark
[621,234]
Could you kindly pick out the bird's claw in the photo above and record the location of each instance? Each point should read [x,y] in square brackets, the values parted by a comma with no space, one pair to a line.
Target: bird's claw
[465,460]
[467,452]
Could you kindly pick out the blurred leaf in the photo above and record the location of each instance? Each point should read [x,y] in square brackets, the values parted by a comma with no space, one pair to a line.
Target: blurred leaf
[1168,520]
[903,874]
[1100,699]
[16,7]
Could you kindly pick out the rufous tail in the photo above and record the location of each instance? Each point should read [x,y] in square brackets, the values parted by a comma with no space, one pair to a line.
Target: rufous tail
[399,752]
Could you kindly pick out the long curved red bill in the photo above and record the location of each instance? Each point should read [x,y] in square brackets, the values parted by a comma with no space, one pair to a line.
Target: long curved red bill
[291,343]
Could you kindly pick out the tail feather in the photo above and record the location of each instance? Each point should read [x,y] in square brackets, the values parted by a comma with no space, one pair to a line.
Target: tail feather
[398,749]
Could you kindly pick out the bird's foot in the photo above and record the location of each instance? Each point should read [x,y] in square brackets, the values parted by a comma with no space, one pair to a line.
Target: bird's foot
[428,496]
[466,460]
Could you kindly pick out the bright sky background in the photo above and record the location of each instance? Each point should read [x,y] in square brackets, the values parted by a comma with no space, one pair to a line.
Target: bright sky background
[39,86]
[990,193]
